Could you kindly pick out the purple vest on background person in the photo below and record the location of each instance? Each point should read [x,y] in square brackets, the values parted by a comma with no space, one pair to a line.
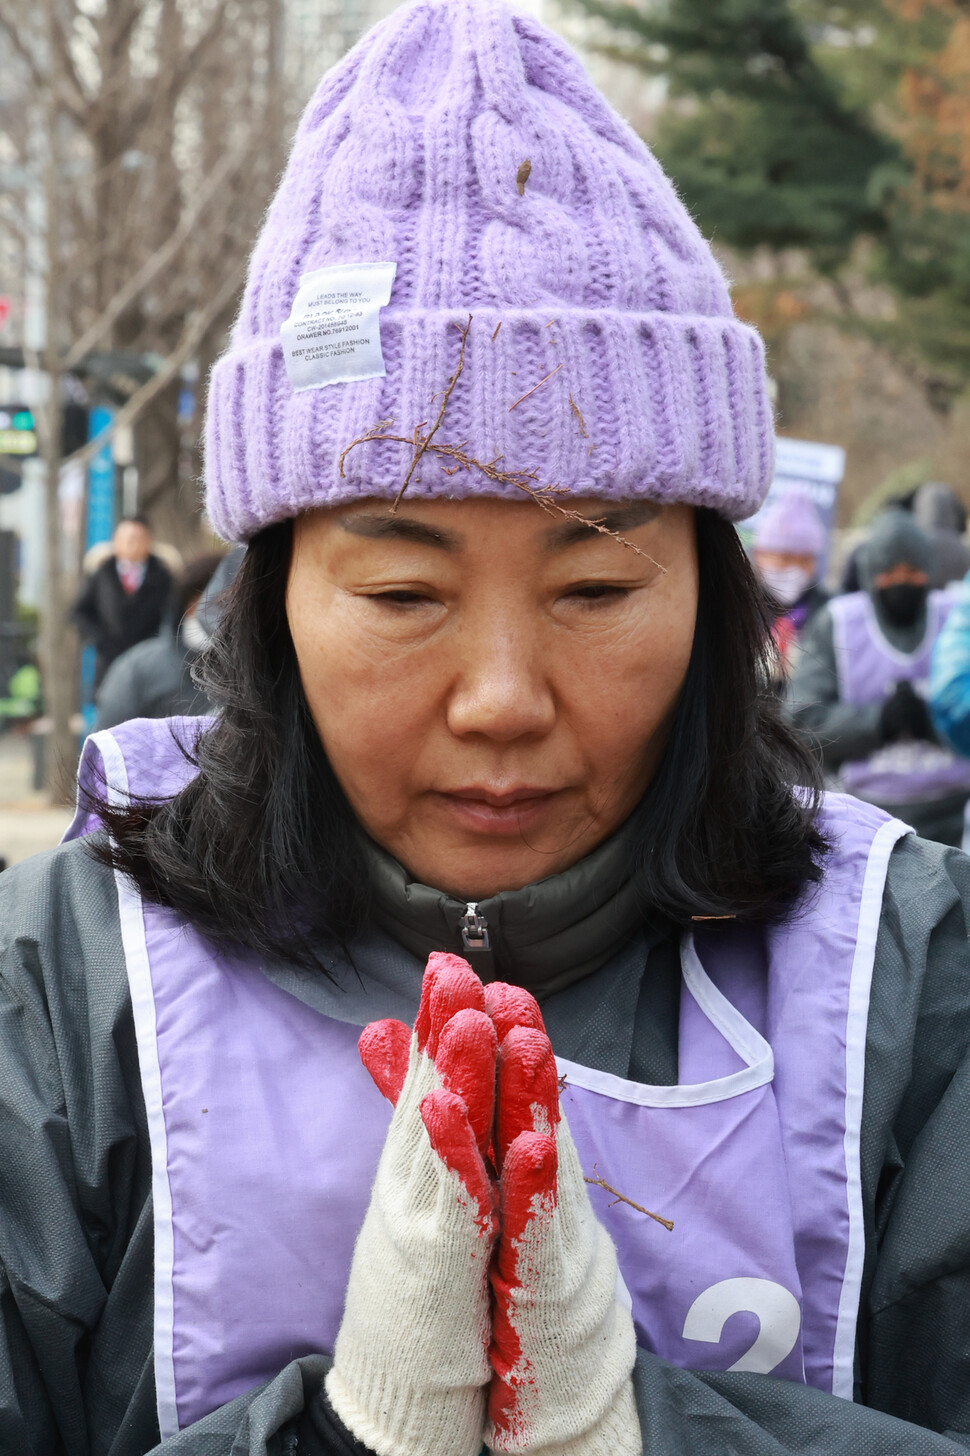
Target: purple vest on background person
[266,1130]
[868,668]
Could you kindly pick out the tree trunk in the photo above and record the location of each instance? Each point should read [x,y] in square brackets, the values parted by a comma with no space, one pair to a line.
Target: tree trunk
[59,662]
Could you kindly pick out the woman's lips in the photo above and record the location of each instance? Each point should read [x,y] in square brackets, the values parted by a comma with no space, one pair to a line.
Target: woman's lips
[487,812]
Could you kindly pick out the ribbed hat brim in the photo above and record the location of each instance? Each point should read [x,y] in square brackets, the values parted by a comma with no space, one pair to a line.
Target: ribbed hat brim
[667,407]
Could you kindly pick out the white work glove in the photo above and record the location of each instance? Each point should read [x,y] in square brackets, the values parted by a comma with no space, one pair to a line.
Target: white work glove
[411,1361]
[563,1346]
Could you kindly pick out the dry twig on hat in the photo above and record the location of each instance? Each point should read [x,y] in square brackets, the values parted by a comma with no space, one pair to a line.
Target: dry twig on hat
[525,480]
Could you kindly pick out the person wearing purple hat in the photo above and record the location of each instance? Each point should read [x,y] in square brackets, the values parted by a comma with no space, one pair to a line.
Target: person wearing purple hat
[861,681]
[482,1034]
[789,544]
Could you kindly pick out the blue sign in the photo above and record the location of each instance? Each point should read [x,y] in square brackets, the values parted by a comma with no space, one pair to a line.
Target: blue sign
[100,527]
[101,481]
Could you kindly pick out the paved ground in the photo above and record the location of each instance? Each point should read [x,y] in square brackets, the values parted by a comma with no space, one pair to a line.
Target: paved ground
[28,822]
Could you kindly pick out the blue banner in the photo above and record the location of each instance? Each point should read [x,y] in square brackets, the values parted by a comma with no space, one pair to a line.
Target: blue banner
[99,527]
[101,481]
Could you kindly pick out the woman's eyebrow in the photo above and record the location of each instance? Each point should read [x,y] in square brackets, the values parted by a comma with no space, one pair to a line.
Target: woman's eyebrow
[401,528]
[624,518]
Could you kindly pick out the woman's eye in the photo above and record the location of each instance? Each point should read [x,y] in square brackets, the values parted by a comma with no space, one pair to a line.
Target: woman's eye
[400,598]
[599,591]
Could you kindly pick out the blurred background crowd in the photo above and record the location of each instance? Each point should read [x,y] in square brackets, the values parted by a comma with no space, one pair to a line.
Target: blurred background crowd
[824,146]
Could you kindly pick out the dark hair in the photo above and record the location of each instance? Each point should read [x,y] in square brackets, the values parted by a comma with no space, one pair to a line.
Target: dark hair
[260,848]
[136,520]
[193,579]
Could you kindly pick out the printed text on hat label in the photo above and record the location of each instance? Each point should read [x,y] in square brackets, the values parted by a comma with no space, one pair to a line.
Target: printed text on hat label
[333,333]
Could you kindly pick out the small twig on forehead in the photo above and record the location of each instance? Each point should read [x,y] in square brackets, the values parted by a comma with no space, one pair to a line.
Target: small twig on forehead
[600,525]
[526,481]
[422,447]
[619,1197]
[534,388]
[522,480]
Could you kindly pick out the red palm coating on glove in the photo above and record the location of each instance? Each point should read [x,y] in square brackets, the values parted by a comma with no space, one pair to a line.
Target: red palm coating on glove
[453,1030]
[510,1006]
[526,1115]
[528,1189]
[449,985]
[453,1139]
[384,1048]
[465,1059]
[528,1099]
[462,1117]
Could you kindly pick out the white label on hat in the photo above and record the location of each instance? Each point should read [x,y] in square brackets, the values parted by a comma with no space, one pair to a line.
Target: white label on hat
[333,334]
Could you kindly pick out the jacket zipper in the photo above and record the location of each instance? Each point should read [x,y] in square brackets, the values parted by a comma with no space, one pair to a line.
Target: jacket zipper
[474,930]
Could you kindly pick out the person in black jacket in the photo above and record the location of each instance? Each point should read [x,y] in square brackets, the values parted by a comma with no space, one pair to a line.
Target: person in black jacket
[125,600]
[155,678]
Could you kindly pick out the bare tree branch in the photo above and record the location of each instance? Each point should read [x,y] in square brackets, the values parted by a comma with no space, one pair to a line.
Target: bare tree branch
[12,30]
[68,71]
[168,94]
[156,262]
[195,331]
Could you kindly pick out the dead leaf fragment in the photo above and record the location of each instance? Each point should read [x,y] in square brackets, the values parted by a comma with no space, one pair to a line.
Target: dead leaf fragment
[522,176]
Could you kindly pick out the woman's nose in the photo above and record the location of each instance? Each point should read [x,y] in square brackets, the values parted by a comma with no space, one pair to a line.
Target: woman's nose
[503,692]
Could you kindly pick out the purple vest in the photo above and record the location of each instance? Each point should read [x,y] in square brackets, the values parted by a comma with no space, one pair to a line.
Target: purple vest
[266,1130]
[869,667]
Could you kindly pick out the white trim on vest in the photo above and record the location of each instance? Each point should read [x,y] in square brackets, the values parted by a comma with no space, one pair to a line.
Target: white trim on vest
[740,1035]
[857,1025]
[132,918]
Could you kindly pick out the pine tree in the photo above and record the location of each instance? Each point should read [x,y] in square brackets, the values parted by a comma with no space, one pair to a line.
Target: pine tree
[759,138]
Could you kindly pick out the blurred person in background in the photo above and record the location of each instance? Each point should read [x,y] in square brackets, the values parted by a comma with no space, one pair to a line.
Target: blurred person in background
[949,695]
[939,511]
[860,681]
[855,539]
[154,678]
[213,600]
[789,546]
[125,600]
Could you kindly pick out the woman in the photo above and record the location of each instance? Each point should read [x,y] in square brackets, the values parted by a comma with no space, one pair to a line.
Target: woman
[532,732]
[788,550]
[860,681]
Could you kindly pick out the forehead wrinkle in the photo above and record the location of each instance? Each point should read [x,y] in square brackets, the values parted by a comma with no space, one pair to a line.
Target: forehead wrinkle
[621,519]
[400,528]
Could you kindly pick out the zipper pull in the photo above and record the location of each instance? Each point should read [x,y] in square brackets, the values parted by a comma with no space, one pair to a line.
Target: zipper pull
[474,938]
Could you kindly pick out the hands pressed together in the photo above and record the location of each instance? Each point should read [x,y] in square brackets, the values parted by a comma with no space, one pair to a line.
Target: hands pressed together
[481,1306]
[905,716]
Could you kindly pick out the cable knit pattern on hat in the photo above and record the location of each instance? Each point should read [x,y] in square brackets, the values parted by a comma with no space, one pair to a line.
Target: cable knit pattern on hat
[410,153]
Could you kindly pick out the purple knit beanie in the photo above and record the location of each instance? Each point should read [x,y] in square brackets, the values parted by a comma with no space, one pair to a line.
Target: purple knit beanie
[791,525]
[463,147]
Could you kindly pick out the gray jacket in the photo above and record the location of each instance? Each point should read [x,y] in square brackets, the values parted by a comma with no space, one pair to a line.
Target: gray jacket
[151,680]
